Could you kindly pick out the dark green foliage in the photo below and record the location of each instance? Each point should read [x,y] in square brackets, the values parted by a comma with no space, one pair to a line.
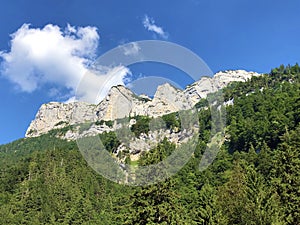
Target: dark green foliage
[84,127]
[51,187]
[155,155]
[102,122]
[264,115]
[62,131]
[141,125]
[60,123]
[155,204]
[172,121]
[202,103]
[110,141]
[158,203]
[286,174]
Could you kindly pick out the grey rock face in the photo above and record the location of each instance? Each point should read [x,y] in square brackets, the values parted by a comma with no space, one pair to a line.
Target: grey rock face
[207,85]
[55,115]
[122,102]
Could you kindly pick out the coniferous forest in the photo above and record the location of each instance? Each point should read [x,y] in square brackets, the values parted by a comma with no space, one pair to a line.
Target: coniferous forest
[254,180]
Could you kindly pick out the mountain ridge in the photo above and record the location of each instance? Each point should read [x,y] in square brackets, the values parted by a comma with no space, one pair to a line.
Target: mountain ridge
[122,102]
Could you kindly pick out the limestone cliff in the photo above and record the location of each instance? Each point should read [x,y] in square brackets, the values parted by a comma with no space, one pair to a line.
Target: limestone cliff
[122,102]
[207,85]
[55,115]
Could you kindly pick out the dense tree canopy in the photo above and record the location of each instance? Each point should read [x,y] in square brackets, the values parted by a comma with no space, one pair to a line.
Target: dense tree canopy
[255,178]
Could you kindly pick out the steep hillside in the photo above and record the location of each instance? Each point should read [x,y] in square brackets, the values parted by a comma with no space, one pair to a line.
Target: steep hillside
[255,178]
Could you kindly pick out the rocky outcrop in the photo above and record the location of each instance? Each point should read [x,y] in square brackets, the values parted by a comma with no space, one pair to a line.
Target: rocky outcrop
[55,115]
[148,141]
[122,102]
[207,85]
[167,99]
[117,104]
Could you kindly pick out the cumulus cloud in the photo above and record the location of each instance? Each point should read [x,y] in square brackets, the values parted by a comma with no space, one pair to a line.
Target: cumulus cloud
[51,55]
[96,83]
[150,25]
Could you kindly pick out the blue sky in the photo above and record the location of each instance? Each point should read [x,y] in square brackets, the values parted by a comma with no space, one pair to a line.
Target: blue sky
[253,35]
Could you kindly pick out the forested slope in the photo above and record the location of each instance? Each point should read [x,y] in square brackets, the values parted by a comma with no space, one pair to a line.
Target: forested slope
[255,178]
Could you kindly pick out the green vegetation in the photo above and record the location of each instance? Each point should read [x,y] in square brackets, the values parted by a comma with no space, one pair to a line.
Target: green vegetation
[255,178]
[84,127]
[110,141]
[107,123]
[141,125]
[172,121]
[61,123]
[62,131]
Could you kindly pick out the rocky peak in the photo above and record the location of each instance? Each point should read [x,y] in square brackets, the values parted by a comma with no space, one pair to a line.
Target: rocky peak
[200,89]
[117,104]
[169,99]
[223,78]
[207,85]
[120,90]
[164,91]
[54,115]
[122,102]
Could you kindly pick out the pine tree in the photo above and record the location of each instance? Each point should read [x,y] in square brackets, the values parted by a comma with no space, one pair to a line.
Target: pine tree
[286,175]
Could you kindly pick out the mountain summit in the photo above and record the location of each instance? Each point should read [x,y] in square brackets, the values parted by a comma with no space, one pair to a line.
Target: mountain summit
[122,102]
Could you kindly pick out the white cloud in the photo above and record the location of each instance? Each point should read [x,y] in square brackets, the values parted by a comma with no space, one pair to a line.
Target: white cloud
[150,25]
[96,84]
[53,56]
[132,49]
